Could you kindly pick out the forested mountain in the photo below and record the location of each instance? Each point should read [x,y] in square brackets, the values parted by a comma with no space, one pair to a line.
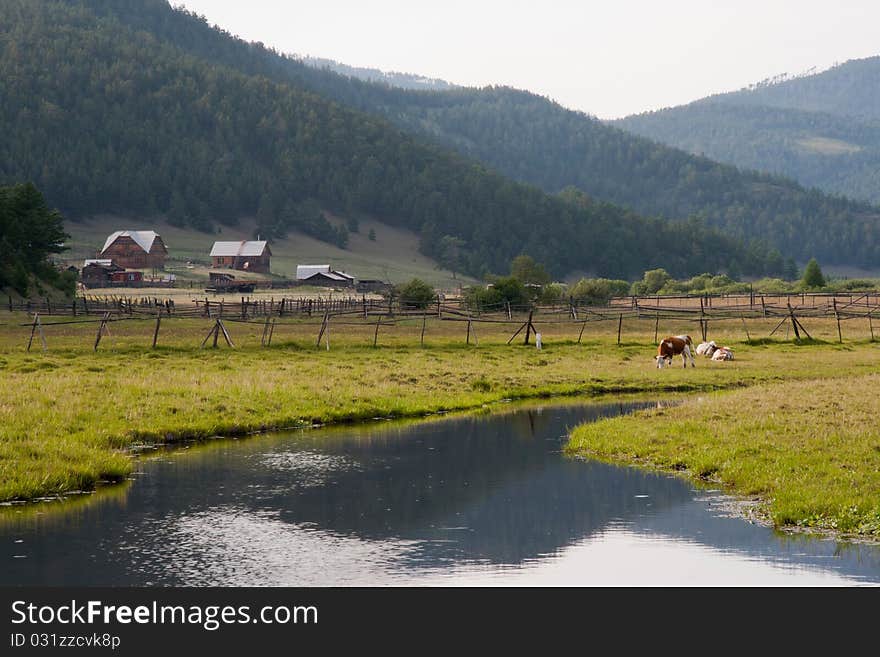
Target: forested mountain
[823,130]
[391,78]
[537,141]
[850,89]
[104,118]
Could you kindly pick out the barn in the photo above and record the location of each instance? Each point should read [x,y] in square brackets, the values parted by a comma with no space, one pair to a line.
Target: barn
[329,279]
[253,255]
[323,276]
[135,249]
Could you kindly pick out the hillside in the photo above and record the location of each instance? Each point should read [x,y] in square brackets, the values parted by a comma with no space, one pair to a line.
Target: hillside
[822,130]
[106,118]
[851,89]
[534,140]
[393,256]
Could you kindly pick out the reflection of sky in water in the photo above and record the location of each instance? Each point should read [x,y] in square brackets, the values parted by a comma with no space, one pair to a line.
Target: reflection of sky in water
[234,547]
[464,501]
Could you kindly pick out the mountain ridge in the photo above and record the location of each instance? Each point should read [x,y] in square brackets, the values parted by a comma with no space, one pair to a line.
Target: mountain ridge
[822,130]
[110,118]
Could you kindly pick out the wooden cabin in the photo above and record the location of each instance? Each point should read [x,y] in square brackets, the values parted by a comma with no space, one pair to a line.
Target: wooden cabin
[251,255]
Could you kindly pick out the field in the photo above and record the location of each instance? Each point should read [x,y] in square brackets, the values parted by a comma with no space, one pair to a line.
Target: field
[72,416]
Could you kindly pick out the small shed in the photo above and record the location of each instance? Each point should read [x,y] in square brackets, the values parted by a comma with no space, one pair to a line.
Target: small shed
[223,282]
[373,285]
[125,278]
[304,272]
[98,273]
[245,255]
[329,279]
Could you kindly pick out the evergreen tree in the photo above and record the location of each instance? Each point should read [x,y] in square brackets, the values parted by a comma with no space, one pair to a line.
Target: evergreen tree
[813,278]
[30,233]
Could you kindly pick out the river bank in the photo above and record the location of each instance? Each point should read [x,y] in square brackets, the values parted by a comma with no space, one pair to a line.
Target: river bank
[807,452]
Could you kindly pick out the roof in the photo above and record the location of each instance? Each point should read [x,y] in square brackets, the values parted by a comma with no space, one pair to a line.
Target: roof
[332,275]
[306,271]
[143,238]
[244,248]
[101,262]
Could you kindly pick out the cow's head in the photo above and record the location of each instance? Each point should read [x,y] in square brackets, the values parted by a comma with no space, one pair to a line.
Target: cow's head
[663,360]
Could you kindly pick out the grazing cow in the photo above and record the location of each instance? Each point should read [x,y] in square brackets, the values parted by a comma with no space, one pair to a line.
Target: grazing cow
[673,346]
[706,348]
[723,353]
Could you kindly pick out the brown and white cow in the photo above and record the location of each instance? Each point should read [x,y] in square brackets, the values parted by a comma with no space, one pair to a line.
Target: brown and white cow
[673,346]
[723,353]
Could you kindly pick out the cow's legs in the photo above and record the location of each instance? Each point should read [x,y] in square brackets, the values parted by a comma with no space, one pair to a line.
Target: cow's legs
[685,354]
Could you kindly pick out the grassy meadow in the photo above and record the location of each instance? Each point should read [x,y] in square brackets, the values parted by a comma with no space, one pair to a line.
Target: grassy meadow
[71,417]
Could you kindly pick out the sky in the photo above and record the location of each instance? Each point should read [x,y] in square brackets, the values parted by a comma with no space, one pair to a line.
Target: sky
[609,59]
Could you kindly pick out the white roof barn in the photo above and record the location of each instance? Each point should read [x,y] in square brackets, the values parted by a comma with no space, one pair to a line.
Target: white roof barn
[143,238]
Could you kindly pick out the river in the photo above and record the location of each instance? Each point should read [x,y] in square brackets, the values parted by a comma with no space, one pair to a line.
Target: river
[486,499]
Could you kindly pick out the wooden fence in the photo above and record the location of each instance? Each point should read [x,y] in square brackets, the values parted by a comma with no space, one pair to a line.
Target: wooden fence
[523,320]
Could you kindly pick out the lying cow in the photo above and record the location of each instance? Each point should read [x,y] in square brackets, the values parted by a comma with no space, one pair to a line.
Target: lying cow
[673,346]
[707,348]
[723,353]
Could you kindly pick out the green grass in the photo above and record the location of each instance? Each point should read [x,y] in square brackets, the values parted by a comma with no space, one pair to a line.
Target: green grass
[809,450]
[70,417]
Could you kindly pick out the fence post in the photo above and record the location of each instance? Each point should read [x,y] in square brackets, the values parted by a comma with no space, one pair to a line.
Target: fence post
[837,317]
[156,332]
[33,330]
[619,326]
[101,329]
[528,327]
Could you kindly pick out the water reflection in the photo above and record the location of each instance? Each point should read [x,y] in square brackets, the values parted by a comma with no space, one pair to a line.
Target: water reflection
[472,500]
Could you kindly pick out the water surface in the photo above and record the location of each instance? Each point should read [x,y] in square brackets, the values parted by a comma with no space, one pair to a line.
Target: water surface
[475,500]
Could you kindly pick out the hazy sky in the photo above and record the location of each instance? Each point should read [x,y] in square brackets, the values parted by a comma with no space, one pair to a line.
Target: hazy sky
[609,58]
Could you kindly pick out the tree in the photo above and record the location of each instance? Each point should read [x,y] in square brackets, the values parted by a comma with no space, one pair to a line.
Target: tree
[450,253]
[813,277]
[790,270]
[415,294]
[526,270]
[30,232]
[652,281]
[371,235]
[598,291]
